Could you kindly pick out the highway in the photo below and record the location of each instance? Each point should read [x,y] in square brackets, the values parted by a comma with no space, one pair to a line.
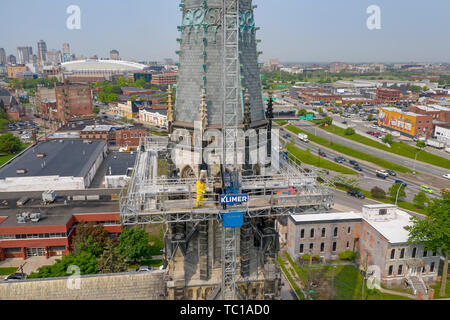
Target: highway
[368,178]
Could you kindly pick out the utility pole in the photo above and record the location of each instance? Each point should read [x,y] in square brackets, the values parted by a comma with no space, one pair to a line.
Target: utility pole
[365,276]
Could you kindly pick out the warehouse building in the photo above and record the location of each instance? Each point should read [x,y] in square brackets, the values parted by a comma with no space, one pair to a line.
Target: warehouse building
[54,165]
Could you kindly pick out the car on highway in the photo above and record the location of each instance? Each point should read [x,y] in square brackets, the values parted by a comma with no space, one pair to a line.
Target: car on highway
[356,194]
[322,154]
[447,176]
[427,189]
[382,174]
[357,167]
[374,126]
[16,276]
[354,163]
[401,182]
[339,159]
[391,173]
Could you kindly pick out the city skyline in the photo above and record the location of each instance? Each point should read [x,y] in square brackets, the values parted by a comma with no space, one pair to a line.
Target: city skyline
[329,32]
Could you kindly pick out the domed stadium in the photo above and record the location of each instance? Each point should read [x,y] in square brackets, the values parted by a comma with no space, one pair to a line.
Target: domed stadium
[98,70]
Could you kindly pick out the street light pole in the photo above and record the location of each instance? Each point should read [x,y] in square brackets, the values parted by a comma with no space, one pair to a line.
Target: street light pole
[398,191]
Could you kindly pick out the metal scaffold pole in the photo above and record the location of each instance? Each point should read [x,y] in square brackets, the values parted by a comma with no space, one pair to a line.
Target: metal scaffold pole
[230,26]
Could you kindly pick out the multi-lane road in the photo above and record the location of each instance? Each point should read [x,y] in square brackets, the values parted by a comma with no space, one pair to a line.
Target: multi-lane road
[368,178]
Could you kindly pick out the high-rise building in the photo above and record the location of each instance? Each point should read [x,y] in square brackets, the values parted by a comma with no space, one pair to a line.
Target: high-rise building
[42,51]
[66,52]
[54,57]
[11,59]
[114,55]
[2,57]
[24,55]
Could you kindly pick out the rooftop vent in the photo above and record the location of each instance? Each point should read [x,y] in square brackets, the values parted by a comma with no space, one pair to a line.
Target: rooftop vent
[41,155]
[21,171]
[26,217]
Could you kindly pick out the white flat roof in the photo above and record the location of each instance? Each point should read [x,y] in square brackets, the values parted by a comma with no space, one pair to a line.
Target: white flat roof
[393,230]
[378,206]
[326,216]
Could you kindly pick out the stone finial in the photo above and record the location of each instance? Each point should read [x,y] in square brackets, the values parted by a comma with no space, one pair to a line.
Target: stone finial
[247,114]
[203,111]
[170,116]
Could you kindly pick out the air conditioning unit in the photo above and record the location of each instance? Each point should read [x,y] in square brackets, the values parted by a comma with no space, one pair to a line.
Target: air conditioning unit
[21,171]
[41,155]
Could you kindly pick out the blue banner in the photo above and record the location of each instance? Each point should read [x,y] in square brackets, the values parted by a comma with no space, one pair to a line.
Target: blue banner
[233,220]
[233,199]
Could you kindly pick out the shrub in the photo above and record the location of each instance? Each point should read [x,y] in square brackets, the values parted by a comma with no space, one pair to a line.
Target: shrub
[349,131]
[316,258]
[306,257]
[378,193]
[347,255]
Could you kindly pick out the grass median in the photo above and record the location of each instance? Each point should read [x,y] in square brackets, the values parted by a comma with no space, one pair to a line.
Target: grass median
[307,157]
[399,148]
[349,151]
[289,277]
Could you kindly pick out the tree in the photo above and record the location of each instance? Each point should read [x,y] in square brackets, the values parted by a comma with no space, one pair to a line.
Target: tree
[394,190]
[9,143]
[420,144]
[415,89]
[370,117]
[134,244]
[302,112]
[389,139]
[347,255]
[378,193]
[96,110]
[345,181]
[349,131]
[326,120]
[111,261]
[420,199]
[86,261]
[90,238]
[434,232]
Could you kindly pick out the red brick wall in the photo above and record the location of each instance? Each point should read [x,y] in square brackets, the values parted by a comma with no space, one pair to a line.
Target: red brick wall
[130,136]
[73,100]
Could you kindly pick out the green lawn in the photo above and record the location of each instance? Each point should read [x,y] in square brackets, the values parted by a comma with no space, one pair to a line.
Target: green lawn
[348,281]
[437,288]
[349,151]
[290,279]
[6,158]
[281,122]
[398,148]
[7,271]
[307,157]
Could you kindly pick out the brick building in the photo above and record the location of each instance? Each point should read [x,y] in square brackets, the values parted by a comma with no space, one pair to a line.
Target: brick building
[378,234]
[73,100]
[130,137]
[165,78]
[320,96]
[98,132]
[410,124]
[52,233]
[14,71]
[437,112]
[389,96]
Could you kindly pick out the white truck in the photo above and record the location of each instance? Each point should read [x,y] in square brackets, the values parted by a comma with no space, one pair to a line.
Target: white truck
[303,137]
[436,144]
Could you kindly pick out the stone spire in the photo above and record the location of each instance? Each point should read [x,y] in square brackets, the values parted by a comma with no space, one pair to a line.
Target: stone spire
[170,105]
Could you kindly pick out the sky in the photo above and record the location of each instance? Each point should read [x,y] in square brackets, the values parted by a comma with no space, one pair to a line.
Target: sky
[291,30]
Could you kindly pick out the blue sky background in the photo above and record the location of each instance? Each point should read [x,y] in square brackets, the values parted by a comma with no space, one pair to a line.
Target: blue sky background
[292,30]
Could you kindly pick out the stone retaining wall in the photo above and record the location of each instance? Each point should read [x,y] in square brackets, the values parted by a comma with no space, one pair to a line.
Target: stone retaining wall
[123,286]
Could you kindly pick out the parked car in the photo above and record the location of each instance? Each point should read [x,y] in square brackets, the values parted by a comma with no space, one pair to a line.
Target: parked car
[356,194]
[447,176]
[391,173]
[16,276]
[370,132]
[427,189]
[144,269]
[401,182]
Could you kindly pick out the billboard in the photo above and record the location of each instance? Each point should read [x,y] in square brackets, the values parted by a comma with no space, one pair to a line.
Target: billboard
[398,121]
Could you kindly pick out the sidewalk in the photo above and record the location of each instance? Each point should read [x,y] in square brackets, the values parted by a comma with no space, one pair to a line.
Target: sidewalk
[31,264]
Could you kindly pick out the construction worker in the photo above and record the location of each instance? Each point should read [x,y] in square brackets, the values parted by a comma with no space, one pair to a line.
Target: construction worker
[201,190]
